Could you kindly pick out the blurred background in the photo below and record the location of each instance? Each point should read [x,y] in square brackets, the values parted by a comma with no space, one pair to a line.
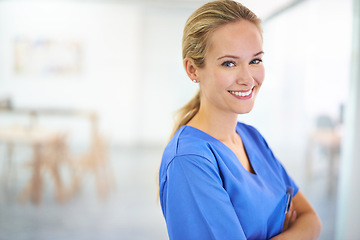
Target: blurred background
[88,89]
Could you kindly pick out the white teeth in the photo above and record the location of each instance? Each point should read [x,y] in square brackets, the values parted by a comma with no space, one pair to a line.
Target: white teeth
[241,94]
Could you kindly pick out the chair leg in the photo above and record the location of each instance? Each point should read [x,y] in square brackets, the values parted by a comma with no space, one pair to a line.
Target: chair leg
[37,179]
[34,188]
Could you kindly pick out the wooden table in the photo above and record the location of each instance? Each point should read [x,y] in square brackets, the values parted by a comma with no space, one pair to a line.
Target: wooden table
[50,150]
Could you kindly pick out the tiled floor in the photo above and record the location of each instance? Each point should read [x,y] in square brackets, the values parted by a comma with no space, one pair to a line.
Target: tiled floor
[131,212]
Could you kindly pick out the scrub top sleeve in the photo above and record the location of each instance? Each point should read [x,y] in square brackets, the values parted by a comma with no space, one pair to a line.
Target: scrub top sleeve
[197,205]
[288,180]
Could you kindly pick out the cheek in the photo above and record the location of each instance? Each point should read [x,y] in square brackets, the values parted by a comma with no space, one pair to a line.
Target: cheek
[215,80]
[259,75]
[224,79]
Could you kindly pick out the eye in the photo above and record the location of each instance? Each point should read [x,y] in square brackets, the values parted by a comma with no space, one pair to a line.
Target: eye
[228,64]
[256,61]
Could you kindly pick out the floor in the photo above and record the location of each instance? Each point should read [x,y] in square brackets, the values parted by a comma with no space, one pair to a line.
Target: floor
[131,212]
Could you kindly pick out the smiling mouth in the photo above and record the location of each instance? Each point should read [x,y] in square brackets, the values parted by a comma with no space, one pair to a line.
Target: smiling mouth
[241,94]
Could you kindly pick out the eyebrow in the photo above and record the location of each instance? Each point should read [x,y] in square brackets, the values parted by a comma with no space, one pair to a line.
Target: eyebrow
[236,57]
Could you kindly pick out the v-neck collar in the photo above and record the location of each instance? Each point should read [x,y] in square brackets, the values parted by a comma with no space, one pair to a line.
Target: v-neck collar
[244,140]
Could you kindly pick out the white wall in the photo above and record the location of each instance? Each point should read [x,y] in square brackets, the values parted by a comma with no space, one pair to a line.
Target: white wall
[132,71]
[165,86]
[133,74]
[110,34]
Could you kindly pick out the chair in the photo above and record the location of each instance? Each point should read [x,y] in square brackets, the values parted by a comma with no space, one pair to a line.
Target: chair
[48,149]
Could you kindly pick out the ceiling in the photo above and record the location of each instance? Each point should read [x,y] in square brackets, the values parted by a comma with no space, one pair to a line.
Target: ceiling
[263,8]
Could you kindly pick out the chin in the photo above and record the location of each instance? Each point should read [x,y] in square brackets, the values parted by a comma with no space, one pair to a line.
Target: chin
[245,110]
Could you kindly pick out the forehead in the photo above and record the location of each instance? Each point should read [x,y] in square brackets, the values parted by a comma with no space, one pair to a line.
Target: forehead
[240,37]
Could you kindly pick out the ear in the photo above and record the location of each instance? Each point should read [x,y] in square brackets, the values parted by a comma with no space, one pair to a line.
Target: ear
[191,69]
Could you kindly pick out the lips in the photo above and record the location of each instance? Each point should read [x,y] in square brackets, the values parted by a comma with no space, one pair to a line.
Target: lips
[242,94]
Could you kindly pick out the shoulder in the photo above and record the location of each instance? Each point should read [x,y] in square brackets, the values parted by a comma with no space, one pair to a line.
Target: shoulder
[254,140]
[189,141]
[248,128]
[249,131]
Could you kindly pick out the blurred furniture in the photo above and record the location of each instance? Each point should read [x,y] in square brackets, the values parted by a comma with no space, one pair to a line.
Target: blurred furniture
[94,162]
[324,142]
[48,150]
[50,154]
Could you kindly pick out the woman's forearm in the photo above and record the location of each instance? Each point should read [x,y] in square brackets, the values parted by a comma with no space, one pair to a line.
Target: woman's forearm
[307,226]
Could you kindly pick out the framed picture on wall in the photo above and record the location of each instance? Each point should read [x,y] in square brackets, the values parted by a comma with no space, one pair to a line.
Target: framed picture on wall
[46,56]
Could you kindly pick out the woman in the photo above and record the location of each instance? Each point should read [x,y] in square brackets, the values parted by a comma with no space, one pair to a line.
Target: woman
[218,177]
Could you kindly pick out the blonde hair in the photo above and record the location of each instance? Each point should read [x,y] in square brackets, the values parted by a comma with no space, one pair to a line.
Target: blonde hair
[197,31]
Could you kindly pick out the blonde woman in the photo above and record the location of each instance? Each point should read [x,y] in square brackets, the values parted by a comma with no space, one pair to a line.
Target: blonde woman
[218,177]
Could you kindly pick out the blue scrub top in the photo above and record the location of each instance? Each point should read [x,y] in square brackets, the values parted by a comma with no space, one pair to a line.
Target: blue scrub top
[206,193]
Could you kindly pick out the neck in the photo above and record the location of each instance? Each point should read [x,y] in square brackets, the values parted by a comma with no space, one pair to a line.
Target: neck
[218,124]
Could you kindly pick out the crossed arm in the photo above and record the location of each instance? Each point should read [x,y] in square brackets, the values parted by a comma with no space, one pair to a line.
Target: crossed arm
[301,221]
[196,206]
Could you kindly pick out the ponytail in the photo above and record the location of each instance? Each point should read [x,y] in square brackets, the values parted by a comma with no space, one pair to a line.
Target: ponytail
[186,113]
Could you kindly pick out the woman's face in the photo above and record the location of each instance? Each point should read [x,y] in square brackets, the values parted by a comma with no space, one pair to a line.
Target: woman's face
[233,71]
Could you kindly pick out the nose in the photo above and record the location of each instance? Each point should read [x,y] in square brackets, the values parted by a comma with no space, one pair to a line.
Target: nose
[244,76]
